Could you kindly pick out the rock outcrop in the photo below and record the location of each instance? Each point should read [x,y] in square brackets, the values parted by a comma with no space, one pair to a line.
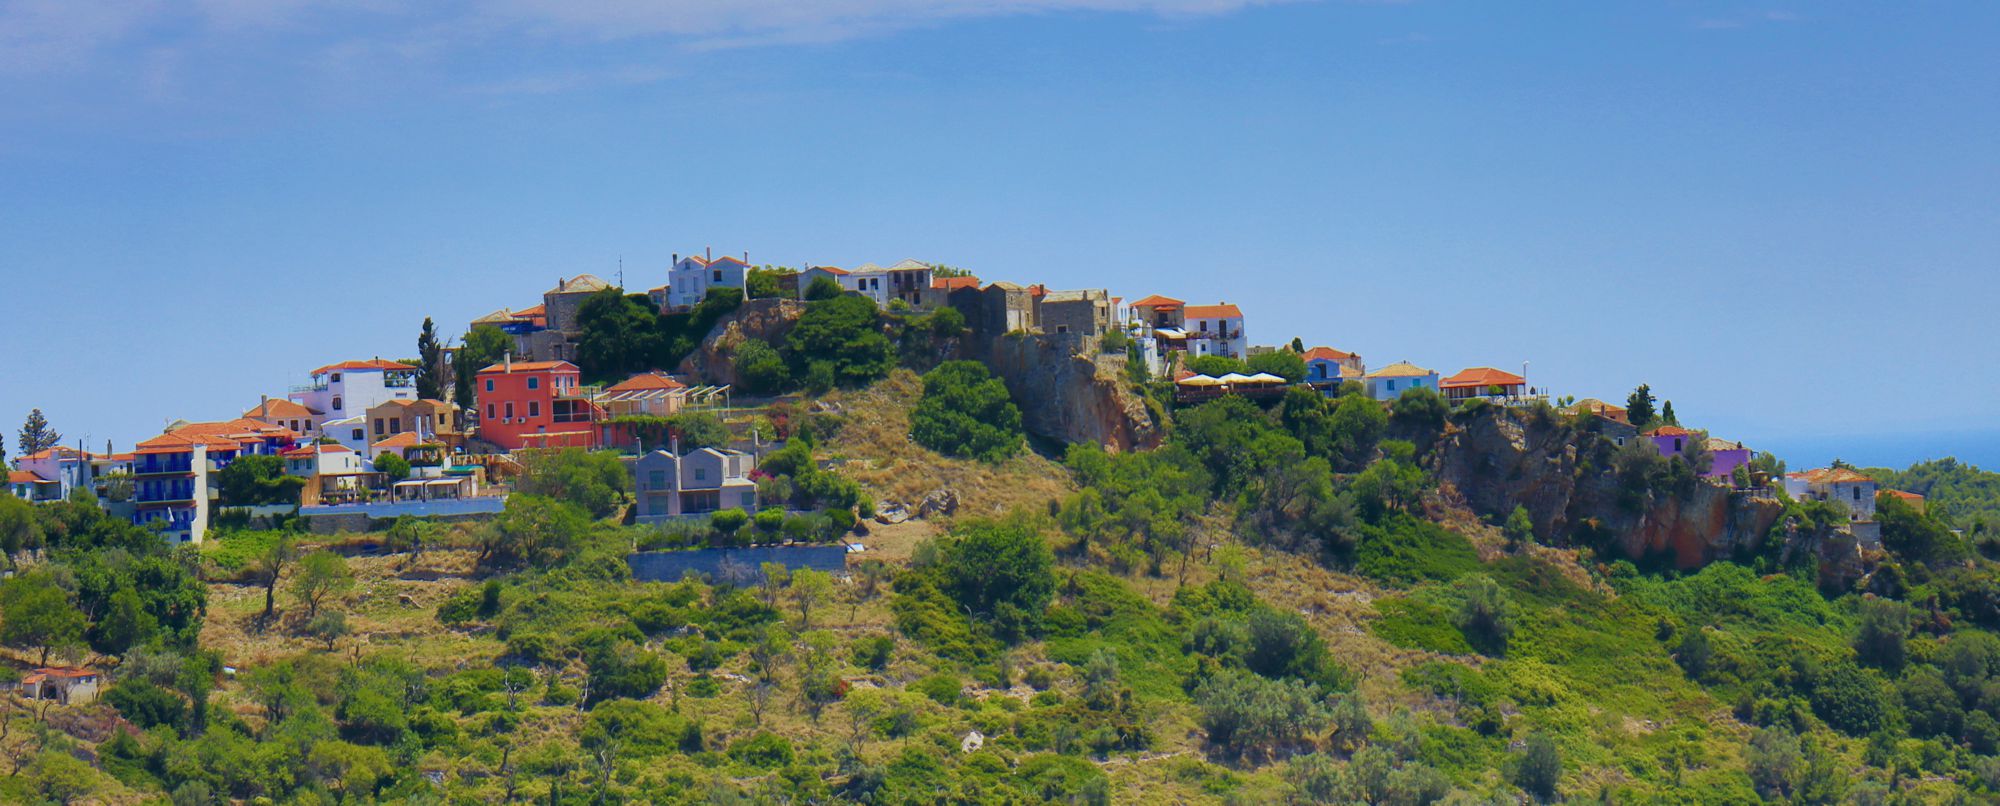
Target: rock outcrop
[767,320]
[1496,459]
[1067,392]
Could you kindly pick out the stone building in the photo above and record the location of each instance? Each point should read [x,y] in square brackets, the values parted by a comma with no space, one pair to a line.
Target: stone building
[1086,312]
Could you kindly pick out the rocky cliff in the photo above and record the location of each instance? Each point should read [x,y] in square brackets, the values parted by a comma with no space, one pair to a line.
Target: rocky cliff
[766,320]
[1495,459]
[1067,392]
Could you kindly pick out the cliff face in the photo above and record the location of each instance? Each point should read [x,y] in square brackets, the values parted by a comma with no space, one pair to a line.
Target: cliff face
[766,320]
[1066,392]
[1497,459]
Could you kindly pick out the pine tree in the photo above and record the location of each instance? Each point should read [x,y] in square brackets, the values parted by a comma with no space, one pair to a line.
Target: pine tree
[430,354]
[36,435]
[1298,345]
[1639,407]
[1667,414]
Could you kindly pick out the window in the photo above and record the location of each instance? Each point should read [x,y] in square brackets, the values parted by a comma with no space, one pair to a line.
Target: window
[336,403]
[700,474]
[534,383]
[335,378]
[357,435]
[656,479]
[718,275]
[510,409]
[489,411]
[396,426]
[378,425]
[1857,493]
[534,408]
[489,384]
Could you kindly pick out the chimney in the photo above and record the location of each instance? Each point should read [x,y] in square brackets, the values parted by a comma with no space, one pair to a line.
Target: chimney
[508,361]
[677,258]
[673,443]
[708,253]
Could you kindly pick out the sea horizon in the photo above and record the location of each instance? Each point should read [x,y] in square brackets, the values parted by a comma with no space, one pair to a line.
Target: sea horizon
[1896,451]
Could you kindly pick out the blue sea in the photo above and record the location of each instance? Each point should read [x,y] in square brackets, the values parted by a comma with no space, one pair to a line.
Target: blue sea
[1894,451]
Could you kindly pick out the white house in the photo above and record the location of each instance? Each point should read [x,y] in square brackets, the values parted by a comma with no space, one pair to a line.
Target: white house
[908,281]
[692,277]
[351,388]
[1215,330]
[350,432]
[1845,488]
[1390,382]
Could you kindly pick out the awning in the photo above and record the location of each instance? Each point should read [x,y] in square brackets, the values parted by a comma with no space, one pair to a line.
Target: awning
[1199,380]
[1265,377]
[1170,333]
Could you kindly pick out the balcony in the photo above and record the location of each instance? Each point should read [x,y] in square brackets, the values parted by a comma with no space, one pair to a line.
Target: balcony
[309,387]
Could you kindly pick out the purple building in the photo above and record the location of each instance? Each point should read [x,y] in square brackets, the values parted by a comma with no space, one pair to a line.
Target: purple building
[1725,456]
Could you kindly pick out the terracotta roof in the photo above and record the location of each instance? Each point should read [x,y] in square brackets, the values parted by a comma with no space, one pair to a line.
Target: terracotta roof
[646,380]
[1350,373]
[530,313]
[529,366]
[66,671]
[1719,444]
[954,283]
[1669,431]
[309,450]
[275,408]
[1157,301]
[833,270]
[1401,369]
[1326,354]
[61,451]
[1037,290]
[1222,311]
[407,439]
[24,477]
[359,366]
[1906,495]
[1482,377]
[1829,475]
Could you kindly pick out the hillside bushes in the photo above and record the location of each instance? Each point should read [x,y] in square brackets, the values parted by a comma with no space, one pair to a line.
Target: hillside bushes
[965,411]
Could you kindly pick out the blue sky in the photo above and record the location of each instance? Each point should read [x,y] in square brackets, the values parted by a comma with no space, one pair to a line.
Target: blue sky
[1782,217]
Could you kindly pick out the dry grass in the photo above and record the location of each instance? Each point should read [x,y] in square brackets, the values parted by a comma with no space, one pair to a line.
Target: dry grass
[392,607]
[874,440]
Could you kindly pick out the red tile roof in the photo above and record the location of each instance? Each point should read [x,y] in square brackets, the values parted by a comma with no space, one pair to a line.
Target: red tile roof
[833,270]
[530,313]
[1483,377]
[1157,301]
[277,408]
[646,380]
[1037,290]
[360,366]
[1222,311]
[1326,354]
[24,477]
[407,439]
[1670,431]
[1906,496]
[61,451]
[530,366]
[954,283]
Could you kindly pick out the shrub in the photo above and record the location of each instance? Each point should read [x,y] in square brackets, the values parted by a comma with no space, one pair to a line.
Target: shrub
[1540,769]
[1241,711]
[873,652]
[965,411]
[944,688]
[763,750]
[1485,614]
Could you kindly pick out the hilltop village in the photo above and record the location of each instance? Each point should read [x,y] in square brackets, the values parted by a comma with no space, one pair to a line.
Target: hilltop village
[372,437]
[906,535]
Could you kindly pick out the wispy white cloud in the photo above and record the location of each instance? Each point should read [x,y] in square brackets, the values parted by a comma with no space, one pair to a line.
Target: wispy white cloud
[58,35]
